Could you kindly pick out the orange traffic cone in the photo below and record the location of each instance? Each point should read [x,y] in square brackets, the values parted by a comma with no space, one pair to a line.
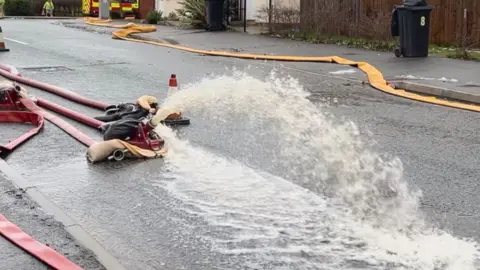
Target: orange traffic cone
[172,85]
[172,88]
[2,43]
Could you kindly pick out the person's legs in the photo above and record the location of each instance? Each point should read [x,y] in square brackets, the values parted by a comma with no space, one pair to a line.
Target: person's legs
[136,114]
[122,130]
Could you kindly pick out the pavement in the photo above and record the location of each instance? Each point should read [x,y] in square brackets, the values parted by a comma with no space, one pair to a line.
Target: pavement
[449,78]
[235,194]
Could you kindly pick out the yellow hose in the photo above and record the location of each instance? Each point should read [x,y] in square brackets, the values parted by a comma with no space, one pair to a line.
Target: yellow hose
[375,77]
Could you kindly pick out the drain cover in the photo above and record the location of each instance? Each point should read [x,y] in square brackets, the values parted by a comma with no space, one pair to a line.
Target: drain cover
[48,69]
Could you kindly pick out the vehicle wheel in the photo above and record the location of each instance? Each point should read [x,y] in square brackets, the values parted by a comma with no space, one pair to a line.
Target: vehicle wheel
[398,53]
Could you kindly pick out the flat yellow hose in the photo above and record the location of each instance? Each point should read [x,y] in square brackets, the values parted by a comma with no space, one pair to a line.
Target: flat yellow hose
[375,77]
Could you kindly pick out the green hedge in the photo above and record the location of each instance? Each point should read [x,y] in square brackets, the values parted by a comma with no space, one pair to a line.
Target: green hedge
[18,8]
[153,17]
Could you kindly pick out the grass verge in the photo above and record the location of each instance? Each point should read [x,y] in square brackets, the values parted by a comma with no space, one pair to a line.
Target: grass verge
[376,45]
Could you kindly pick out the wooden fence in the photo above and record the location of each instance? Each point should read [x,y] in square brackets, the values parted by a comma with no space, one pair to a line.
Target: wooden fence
[452,21]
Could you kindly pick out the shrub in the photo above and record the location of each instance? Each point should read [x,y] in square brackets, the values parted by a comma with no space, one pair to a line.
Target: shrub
[352,42]
[153,17]
[172,16]
[280,14]
[464,48]
[193,11]
[18,8]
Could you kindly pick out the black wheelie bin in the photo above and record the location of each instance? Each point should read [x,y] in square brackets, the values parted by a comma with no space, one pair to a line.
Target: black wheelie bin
[411,22]
[215,15]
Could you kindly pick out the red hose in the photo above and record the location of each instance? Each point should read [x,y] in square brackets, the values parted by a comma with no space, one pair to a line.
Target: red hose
[71,130]
[20,117]
[5,72]
[35,116]
[69,113]
[10,69]
[32,246]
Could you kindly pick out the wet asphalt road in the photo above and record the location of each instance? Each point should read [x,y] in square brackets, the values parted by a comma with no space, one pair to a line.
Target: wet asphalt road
[19,209]
[137,222]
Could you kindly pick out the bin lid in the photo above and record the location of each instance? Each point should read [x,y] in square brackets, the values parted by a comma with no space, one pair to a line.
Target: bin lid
[428,7]
[415,3]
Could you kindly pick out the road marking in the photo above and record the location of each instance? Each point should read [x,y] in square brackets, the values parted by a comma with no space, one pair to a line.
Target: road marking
[17,41]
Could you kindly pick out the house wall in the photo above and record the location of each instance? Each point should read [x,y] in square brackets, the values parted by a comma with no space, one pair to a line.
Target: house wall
[168,6]
[254,7]
[145,6]
[260,14]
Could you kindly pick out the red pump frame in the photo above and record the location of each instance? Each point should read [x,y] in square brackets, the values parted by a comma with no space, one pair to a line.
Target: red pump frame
[16,109]
[12,110]
[142,139]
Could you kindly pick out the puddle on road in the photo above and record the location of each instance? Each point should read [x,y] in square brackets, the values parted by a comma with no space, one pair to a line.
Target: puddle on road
[327,200]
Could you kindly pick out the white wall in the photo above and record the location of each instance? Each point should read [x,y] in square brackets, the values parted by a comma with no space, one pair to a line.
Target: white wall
[159,5]
[286,3]
[263,4]
[167,6]
[251,9]
[253,6]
